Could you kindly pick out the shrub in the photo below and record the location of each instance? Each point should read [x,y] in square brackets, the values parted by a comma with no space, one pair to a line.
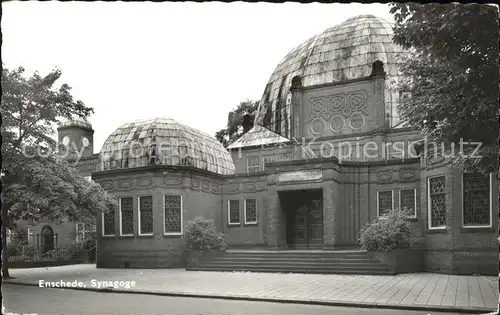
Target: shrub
[18,239]
[390,231]
[14,249]
[29,252]
[202,234]
[18,235]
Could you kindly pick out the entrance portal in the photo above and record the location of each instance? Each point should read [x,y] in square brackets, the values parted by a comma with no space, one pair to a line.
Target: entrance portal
[47,238]
[304,218]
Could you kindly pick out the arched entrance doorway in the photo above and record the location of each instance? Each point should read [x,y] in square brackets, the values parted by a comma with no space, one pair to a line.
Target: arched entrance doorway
[47,238]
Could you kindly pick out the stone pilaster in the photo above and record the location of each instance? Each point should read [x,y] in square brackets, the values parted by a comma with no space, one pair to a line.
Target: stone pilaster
[329,213]
[273,218]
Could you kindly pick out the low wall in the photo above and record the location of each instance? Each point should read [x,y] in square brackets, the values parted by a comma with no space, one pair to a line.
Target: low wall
[405,260]
[196,257]
[139,259]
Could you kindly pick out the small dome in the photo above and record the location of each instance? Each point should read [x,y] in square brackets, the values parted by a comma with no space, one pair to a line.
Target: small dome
[75,122]
[166,142]
[343,52]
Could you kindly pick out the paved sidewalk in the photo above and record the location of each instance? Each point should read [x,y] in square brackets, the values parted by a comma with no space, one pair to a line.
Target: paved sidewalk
[406,291]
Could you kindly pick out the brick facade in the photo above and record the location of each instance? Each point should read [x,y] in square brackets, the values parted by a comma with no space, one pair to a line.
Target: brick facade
[350,185]
[201,196]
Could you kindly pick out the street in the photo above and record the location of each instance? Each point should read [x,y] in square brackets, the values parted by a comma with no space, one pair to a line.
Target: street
[29,300]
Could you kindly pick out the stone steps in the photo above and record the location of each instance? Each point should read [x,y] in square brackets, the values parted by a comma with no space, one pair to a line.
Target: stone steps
[266,269]
[304,260]
[317,262]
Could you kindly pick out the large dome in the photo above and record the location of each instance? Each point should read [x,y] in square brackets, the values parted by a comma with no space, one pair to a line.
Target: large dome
[343,52]
[163,141]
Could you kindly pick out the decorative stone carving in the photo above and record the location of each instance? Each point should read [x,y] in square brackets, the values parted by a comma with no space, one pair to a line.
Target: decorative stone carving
[144,181]
[337,104]
[205,186]
[356,121]
[215,188]
[331,112]
[318,108]
[337,123]
[433,159]
[357,103]
[300,176]
[384,176]
[195,183]
[406,173]
[172,181]
[249,187]
[107,184]
[233,187]
[125,184]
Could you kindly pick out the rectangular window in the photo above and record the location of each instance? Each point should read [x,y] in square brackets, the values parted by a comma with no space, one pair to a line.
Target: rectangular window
[437,202]
[385,202]
[31,236]
[233,212]
[250,209]
[253,164]
[127,216]
[408,201]
[268,159]
[145,215]
[108,222]
[80,232]
[173,215]
[477,207]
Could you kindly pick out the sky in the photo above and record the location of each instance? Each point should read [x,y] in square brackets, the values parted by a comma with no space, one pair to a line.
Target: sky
[192,62]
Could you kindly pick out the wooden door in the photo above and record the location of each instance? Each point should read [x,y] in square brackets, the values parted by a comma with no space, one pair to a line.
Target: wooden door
[315,222]
[306,221]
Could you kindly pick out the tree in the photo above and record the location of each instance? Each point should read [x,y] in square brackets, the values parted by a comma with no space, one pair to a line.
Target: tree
[36,184]
[239,121]
[451,74]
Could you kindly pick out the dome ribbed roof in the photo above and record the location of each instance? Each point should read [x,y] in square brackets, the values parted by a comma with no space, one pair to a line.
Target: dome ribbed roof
[163,141]
[75,122]
[343,52]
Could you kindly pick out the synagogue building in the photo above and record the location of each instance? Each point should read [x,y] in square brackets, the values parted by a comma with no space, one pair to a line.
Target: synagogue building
[326,155]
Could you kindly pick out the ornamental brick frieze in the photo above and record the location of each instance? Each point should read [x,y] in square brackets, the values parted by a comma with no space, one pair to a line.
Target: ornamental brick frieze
[384,176]
[342,104]
[144,182]
[336,112]
[318,108]
[249,187]
[215,188]
[233,188]
[371,182]
[437,155]
[125,184]
[205,186]
[172,181]
[406,173]
[261,186]
[357,103]
[195,183]
[108,184]
[431,160]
